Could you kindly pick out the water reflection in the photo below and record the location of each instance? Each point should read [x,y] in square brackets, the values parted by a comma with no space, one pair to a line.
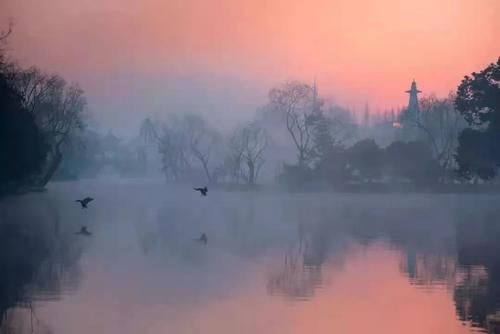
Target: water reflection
[300,274]
[38,262]
[477,295]
[272,264]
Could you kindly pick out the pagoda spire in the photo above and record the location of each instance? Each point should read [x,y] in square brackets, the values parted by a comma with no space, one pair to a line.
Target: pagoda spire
[413,101]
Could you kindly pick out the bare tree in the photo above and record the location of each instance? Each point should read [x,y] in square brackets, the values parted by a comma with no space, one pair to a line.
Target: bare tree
[187,140]
[175,155]
[58,109]
[234,159]
[203,142]
[296,101]
[341,124]
[174,149]
[170,155]
[439,124]
[149,131]
[247,146]
[61,119]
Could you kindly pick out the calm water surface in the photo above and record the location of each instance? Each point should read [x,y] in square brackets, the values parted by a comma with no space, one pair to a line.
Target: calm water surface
[274,263]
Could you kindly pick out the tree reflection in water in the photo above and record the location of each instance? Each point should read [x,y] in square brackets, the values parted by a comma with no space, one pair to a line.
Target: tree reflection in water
[296,278]
[301,272]
[478,293]
[38,261]
[453,249]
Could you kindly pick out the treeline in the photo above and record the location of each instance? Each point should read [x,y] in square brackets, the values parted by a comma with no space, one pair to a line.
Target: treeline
[193,149]
[40,116]
[297,138]
[365,162]
[95,154]
[450,140]
[326,159]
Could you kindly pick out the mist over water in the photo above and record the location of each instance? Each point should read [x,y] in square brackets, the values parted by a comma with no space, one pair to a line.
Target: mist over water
[273,263]
[349,148]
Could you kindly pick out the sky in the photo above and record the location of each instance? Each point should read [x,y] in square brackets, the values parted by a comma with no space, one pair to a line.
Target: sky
[221,57]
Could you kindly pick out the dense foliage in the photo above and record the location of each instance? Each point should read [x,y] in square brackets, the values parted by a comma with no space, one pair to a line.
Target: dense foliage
[478,100]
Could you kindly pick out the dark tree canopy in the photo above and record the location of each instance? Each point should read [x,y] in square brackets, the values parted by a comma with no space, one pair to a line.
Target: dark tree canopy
[22,149]
[323,140]
[412,161]
[366,158]
[478,97]
[474,155]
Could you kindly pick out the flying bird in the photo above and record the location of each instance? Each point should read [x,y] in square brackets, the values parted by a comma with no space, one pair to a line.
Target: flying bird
[203,191]
[84,231]
[202,238]
[84,201]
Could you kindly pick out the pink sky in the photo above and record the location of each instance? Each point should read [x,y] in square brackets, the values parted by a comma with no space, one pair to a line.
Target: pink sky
[358,50]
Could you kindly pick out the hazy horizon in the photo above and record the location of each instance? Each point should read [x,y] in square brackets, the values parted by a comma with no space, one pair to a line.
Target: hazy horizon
[220,59]
[216,170]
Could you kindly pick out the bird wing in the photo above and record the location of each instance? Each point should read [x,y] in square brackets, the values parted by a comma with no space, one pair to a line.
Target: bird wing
[198,189]
[88,200]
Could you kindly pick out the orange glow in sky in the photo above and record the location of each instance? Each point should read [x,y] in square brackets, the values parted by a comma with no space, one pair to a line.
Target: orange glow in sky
[359,51]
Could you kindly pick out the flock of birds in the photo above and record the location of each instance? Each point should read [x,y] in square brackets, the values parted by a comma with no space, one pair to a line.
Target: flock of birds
[85,202]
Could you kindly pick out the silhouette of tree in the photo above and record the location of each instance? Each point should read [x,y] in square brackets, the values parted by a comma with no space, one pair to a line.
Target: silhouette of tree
[56,107]
[247,146]
[478,99]
[149,132]
[22,146]
[188,140]
[412,161]
[439,124]
[341,124]
[366,157]
[84,157]
[203,143]
[474,155]
[323,140]
[296,102]
[58,110]
[328,152]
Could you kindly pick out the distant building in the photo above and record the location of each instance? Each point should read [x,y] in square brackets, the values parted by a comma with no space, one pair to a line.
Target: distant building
[413,109]
[407,124]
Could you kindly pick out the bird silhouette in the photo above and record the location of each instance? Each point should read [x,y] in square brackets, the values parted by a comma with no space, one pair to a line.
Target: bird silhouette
[202,238]
[203,191]
[84,202]
[84,231]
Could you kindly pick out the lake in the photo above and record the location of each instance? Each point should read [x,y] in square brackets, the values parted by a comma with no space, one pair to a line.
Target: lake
[273,262]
